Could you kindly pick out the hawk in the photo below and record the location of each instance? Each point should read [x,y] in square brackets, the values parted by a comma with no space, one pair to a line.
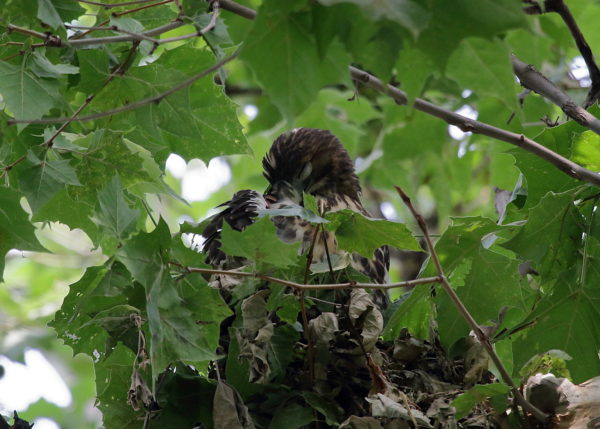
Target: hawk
[304,160]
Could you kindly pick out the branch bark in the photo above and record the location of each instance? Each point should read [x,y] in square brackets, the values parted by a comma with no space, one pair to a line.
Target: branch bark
[563,10]
[531,79]
[465,124]
[481,336]
[304,286]
[132,106]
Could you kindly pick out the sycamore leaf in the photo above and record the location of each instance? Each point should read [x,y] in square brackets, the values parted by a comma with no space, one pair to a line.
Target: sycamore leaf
[293,72]
[489,73]
[55,12]
[113,213]
[26,95]
[42,67]
[16,232]
[45,178]
[408,13]
[357,233]
[259,243]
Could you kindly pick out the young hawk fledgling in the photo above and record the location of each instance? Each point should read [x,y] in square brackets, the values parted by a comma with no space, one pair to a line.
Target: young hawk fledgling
[310,161]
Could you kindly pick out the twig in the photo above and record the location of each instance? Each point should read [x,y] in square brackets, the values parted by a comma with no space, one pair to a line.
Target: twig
[137,9]
[126,38]
[481,336]
[138,36]
[118,71]
[532,79]
[137,104]
[562,9]
[301,286]
[465,124]
[112,5]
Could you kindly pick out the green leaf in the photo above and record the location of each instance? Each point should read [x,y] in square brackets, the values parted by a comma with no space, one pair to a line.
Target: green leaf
[586,150]
[113,213]
[26,95]
[489,72]
[465,402]
[42,67]
[43,179]
[62,208]
[357,233]
[195,122]
[259,243]
[184,316]
[101,288]
[93,68]
[413,67]
[291,416]
[293,72]
[16,232]
[453,21]
[113,378]
[408,13]
[107,153]
[550,236]
[55,12]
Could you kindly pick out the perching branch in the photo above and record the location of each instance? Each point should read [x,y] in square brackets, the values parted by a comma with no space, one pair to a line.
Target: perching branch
[302,286]
[465,124]
[481,336]
[532,79]
[137,104]
[563,10]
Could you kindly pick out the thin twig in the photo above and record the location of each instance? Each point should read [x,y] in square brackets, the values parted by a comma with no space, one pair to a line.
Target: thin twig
[532,79]
[465,124]
[118,71]
[113,5]
[137,104]
[481,336]
[301,286]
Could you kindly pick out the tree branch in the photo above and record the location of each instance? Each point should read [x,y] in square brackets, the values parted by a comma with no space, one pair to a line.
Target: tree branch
[531,79]
[563,10]
[465,124]
[132,106]
[481,336]
[113,5]
[303,286]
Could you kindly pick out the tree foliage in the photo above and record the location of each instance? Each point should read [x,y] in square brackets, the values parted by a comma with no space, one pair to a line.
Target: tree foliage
[95,96]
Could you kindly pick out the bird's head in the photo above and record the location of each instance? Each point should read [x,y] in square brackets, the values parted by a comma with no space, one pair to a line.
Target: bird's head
[312,161]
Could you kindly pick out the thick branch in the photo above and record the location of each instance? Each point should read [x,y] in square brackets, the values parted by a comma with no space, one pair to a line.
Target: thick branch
[481,336]
[303,286]
[532,79]
[132,106]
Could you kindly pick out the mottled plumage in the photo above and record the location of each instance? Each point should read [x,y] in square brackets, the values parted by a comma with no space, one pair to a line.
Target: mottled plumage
[239,212]
[301,161]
